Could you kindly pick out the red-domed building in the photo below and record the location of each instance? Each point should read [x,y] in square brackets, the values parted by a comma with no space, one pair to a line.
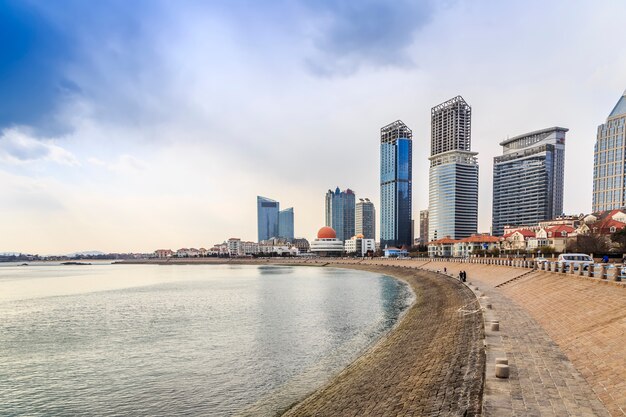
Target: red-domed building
[326,243]
[326,233]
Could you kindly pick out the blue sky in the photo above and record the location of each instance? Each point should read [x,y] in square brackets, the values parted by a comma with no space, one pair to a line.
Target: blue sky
[136,125]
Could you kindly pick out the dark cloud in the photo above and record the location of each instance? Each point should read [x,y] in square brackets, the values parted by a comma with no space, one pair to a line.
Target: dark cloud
[357,33]
[32,53]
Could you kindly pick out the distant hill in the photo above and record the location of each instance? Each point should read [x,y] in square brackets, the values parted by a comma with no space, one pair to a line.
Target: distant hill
[85,253]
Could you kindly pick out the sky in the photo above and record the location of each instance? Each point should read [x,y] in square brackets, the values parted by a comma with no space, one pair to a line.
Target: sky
[132,126]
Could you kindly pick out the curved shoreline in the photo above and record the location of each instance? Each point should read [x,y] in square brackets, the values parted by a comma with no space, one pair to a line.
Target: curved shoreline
[431,362]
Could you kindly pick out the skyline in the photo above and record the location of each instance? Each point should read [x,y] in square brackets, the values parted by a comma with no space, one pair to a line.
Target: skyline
[121,131]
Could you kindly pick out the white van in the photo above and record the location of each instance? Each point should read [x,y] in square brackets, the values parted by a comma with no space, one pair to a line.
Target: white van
[575,260]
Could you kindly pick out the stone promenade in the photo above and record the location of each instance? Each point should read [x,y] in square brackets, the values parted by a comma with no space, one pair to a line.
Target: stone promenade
[432,364]
[564,336]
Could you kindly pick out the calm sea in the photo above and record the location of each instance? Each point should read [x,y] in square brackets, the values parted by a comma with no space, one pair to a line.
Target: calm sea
[201,340]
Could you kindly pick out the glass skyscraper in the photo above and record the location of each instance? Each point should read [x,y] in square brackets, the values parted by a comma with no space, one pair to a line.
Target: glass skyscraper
[396,184]
[267,217]
[453,175]
[528,179]
[340,211]
[285,224]
[609,171]
[365,219]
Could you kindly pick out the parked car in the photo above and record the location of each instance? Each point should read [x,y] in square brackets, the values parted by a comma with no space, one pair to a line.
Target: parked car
[574,260]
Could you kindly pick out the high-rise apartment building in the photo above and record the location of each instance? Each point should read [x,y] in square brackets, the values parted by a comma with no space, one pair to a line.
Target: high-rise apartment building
[285,224]
[423,227]
[453,175]
[396,184]
[528,179]
[340,211]
[365,219]
[609,157]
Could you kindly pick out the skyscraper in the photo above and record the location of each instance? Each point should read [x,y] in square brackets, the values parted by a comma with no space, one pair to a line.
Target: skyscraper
[365,219]
[528,179]
[423,227]
[396,183]
[285,224]
[340,210]
[453,175]
[267,217]
[609,170]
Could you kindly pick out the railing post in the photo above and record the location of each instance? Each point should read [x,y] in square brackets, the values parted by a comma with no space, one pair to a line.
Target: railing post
[599,272]
[612,274]
[590,271]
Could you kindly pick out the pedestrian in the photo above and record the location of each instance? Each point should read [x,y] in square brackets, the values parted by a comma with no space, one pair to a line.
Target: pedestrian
[464,276]
[445,270]
[461,276]
[605,259]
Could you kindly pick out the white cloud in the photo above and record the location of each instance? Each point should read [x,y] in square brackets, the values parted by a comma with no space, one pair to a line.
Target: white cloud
[17,146]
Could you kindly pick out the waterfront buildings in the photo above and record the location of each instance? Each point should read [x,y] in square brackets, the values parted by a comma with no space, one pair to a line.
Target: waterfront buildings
[447,247]
[326,243]
[609,169]
[528,179]
[423,227]
[340,211]
[271,221]
[396,184]
[360,245]
[285,224]
[453,175]
[365,219]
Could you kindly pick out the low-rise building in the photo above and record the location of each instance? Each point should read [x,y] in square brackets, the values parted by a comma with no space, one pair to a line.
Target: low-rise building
[517,240]
[163,253]
[441,248]
[394,252]
[360,245]
[249,248]
[471,245]
[234,247]
[326,243]
[302,244]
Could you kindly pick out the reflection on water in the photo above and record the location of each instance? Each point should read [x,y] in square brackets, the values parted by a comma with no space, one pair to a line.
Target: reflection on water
[147,340]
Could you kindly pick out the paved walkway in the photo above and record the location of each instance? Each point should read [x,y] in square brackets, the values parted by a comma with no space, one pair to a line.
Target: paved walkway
[542,382]
[431,365]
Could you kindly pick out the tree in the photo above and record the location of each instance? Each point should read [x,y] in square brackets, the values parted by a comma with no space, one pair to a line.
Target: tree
[545,250]
[619,237]
[591,243]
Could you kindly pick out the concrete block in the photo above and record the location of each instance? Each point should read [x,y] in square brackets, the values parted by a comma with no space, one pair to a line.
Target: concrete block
[502,371]
[503,361]
[495,326]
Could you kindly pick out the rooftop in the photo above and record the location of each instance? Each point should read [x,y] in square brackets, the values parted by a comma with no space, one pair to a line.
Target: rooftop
[620,107]
[536,132]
